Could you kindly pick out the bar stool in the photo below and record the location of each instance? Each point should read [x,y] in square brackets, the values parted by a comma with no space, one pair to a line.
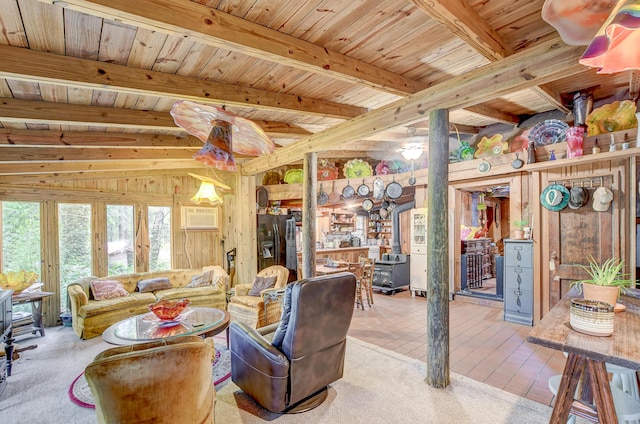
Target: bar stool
[369,264]
[627,407]
[357,269]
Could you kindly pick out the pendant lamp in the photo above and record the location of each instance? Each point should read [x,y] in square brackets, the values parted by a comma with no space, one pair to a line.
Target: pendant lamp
[207,190]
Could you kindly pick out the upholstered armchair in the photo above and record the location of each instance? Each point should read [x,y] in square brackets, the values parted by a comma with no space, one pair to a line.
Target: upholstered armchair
[291,372]
[263,309]
[165,381]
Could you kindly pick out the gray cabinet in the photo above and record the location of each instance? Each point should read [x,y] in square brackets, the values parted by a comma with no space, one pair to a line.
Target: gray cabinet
[518,281]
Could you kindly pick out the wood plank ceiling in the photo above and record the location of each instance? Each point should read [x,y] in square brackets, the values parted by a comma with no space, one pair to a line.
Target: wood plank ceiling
[86,85]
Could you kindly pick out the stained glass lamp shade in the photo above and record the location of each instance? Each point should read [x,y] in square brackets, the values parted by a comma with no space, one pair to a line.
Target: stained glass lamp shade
[615,46]
[222,133]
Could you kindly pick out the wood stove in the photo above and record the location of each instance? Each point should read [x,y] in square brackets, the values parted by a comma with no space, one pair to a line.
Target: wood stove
[391,272]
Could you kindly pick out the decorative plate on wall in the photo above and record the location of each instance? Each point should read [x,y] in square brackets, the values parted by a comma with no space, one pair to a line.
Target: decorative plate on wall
[357,168]
[294,176]
[327,171]
[548,132]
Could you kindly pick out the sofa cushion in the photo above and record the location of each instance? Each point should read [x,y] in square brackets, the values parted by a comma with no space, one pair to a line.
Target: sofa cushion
[252,301]
[133,302]
[107,289]
[153,284]
[261,283]
[278,335]
[203,279]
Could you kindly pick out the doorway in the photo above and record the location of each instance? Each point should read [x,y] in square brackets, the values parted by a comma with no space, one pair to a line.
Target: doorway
[482,215]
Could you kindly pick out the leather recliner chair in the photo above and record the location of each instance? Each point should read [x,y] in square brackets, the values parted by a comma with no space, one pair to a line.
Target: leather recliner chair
[291,373]
[164,381]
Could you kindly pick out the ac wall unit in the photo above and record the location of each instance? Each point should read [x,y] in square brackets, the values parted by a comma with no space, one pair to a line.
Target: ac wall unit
[195,218]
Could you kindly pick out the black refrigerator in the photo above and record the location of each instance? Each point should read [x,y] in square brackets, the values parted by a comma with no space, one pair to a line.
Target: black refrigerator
[277,243]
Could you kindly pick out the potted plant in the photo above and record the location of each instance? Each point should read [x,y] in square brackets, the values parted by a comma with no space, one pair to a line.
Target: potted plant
[606,281]
[519,232]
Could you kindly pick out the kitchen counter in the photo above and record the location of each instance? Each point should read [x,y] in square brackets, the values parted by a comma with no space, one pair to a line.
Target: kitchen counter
[346,254]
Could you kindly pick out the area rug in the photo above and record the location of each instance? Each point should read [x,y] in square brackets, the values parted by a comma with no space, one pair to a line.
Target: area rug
[80,392]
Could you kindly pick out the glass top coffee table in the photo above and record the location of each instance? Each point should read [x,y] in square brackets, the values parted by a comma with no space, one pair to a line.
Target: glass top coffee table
[194,321]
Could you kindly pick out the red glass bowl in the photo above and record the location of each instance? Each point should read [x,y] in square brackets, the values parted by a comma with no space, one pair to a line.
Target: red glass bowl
[168,310]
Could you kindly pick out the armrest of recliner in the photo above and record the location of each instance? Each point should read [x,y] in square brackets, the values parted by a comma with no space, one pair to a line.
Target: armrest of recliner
[256,351]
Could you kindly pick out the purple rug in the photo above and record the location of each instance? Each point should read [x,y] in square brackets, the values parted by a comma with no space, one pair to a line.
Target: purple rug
[80,392]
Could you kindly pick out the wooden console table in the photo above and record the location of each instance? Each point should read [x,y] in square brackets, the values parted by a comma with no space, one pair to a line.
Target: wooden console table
[587,356]
[35,298]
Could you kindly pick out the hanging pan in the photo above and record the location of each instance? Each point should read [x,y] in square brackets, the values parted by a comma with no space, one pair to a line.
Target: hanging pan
[378,188]
[385,204]
[334,197]
[323,198]
[367,204]
[393,190]
[384,213]
[363,190]
[348,191]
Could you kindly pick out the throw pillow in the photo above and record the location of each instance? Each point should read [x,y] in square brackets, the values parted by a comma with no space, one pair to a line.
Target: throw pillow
[107,289]
[153,284]
[278,336]
[261,283]
[200,280]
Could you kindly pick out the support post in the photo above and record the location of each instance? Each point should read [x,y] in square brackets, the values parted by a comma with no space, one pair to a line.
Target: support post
[438,251]
[309,206]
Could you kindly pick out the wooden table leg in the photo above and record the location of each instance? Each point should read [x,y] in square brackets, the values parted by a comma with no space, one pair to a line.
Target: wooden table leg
[602,392]
[567,389]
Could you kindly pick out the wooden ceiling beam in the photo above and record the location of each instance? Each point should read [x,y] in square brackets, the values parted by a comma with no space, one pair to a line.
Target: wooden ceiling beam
[537,65]
[95,175]
[94,154]
[462,20]
[496,115]
[185,18]
[71,139]
[31,111]
[33,66]
[25,168]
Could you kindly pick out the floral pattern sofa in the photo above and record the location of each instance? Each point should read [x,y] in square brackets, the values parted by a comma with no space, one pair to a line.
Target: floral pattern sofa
[90,317]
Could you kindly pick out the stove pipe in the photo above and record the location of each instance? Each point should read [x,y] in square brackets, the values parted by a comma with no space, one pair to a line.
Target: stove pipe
[395,225]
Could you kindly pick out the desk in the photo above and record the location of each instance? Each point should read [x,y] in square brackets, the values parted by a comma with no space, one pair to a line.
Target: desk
[589,354]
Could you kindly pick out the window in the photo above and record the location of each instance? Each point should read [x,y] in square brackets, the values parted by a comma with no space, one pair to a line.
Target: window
[21,236]
[74,240]
[120,253]
[159,238]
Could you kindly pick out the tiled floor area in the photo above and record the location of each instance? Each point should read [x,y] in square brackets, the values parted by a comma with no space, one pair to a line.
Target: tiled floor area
[482,345]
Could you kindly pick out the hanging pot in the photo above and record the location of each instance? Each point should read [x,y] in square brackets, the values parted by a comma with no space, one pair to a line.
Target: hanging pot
[367,204]
[392,205]
[384,213]
[323,198]
[378,189]
[348,191]
[334,197]
[393,190]
[363,190]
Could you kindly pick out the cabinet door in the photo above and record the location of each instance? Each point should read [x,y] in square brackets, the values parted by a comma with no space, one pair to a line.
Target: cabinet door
[418,272]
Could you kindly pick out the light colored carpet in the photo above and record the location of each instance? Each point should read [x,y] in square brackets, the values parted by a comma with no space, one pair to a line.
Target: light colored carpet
[379,386]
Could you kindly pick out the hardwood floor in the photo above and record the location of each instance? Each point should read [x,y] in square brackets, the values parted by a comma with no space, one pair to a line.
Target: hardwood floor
[482,345]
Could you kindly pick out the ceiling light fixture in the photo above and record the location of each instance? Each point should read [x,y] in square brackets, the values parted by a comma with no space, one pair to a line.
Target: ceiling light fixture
[412,152]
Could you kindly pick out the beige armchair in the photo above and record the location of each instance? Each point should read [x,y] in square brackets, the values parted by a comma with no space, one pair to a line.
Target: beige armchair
[164,381]
[258,311]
